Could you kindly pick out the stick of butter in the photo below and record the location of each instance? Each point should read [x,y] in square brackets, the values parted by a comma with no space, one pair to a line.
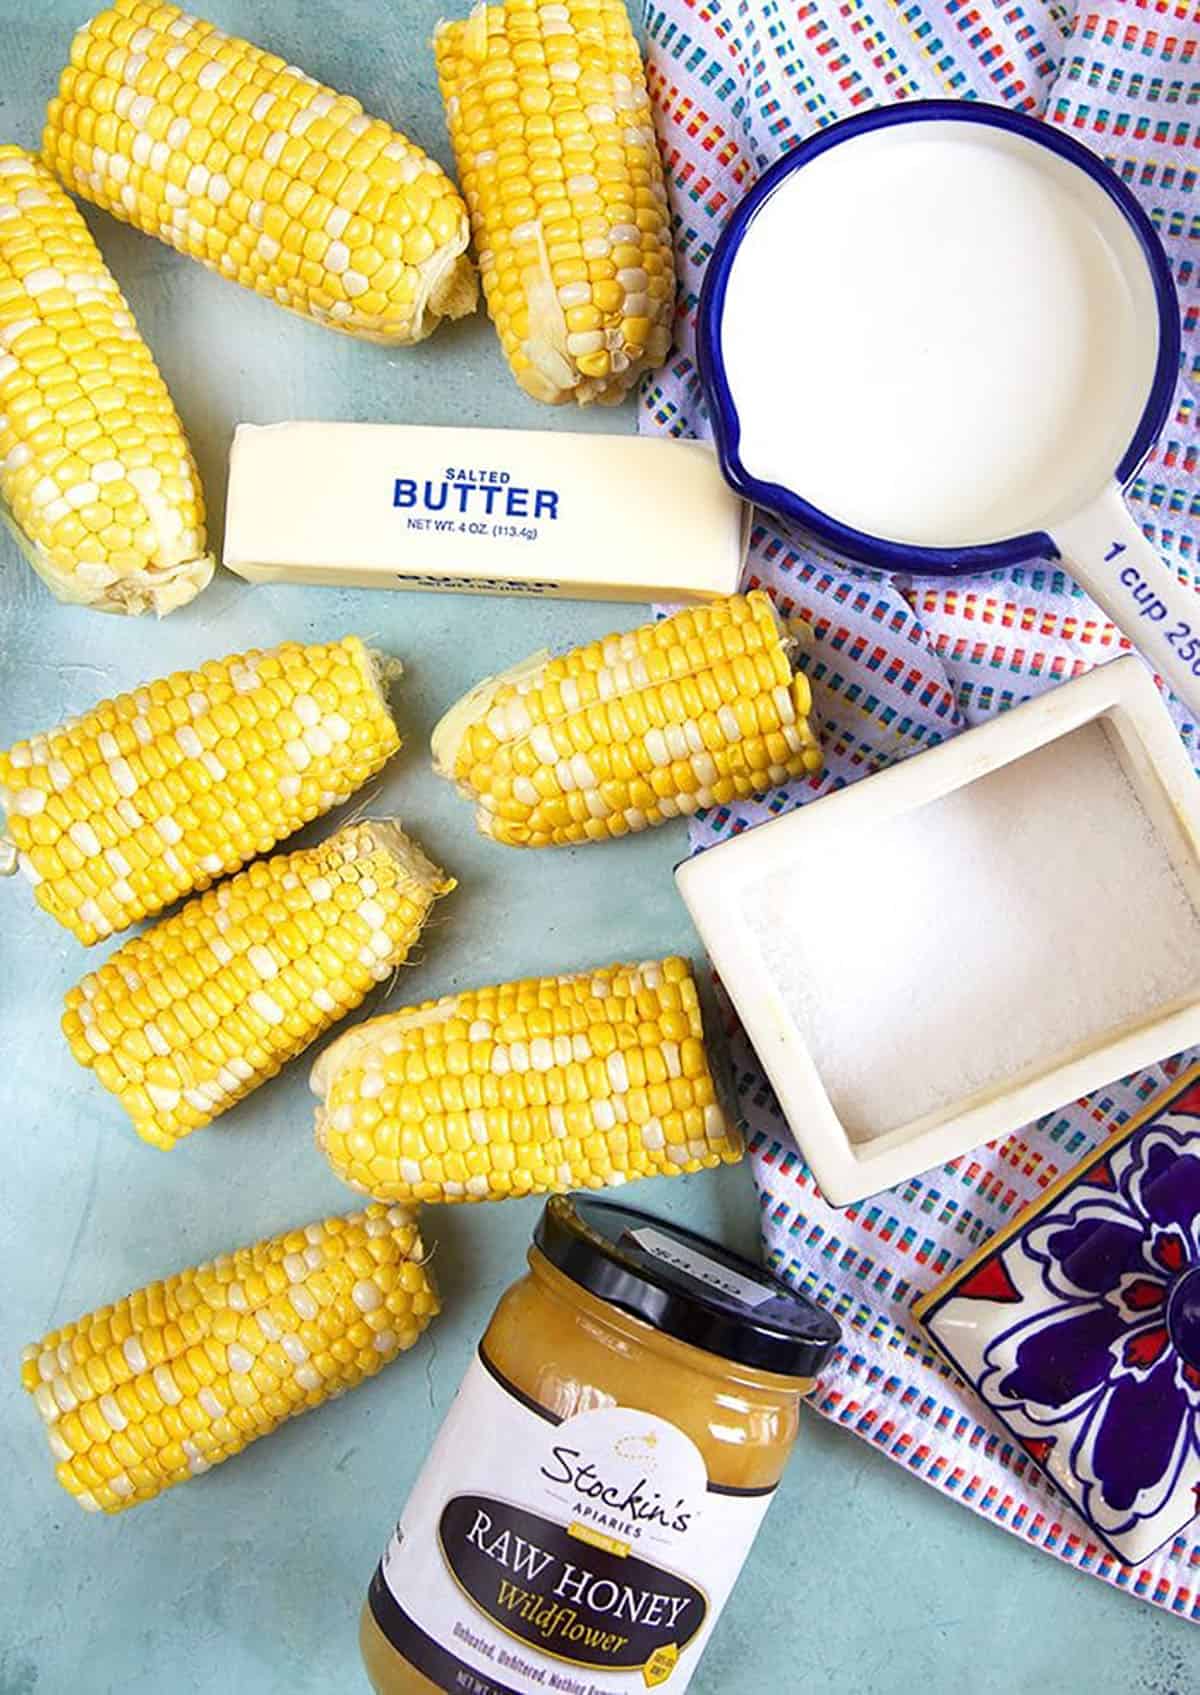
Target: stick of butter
[591,517]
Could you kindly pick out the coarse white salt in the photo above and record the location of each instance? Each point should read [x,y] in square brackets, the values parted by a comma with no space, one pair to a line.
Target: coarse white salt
[993,932]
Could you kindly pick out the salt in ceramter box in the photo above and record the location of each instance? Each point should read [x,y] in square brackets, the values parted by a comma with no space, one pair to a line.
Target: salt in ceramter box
[936,955]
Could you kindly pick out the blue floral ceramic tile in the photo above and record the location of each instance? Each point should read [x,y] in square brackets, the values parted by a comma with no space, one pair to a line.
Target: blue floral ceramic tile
[1079,1326]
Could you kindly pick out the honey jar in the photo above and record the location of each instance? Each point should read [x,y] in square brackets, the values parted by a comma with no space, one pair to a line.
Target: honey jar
[603,1470]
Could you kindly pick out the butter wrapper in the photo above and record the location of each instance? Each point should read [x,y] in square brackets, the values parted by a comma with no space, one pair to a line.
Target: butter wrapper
[545,512]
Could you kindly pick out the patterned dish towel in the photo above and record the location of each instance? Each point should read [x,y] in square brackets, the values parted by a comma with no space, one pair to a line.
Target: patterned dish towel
[899,667]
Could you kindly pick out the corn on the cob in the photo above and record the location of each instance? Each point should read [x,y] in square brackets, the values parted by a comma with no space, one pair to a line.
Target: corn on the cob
[152,795]
[696,711]
[97,480]
[229,154]
[181,1375]
[552,132]
[547,1084]
[187,1019]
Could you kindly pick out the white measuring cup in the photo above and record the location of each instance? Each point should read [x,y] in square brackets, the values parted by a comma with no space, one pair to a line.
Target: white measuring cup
[942,336]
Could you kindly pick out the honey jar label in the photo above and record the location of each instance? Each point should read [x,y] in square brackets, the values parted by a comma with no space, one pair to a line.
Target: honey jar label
[589,1556]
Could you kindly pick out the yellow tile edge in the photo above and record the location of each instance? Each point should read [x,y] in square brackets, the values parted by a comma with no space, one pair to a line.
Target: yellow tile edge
[1154,1107]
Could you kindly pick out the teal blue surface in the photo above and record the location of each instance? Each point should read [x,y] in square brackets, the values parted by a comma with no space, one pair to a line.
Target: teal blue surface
[249,1581]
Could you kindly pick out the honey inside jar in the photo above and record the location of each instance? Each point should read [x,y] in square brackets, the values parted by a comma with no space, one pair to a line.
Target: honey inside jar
[603,1470]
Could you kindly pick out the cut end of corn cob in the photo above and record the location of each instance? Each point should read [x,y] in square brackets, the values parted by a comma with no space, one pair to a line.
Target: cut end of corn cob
[233,156]
[551,126]
[537,1086]
[189,1018]
[97,481]
[174,1379]
[698,710]
[157,793]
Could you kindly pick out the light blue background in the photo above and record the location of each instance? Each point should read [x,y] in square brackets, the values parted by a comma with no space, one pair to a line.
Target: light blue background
[249,1582]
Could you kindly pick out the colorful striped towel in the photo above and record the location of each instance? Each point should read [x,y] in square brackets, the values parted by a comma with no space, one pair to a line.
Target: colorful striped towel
[735,84]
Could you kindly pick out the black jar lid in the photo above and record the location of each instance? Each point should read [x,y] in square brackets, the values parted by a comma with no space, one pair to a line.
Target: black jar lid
[686,1286]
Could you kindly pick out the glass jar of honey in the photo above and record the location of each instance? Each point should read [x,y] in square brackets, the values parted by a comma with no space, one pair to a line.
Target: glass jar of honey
[603,1470]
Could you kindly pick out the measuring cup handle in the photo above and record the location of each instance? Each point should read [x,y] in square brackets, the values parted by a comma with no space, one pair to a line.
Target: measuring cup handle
[1110,557]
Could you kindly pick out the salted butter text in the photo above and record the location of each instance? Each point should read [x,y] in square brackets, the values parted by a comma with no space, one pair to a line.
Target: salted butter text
[475,493]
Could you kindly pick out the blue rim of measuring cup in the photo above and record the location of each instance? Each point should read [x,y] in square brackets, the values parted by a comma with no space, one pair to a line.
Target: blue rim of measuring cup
[858,544]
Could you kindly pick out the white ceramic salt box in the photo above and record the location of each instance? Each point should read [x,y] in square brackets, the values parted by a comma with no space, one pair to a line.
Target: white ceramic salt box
[937,955]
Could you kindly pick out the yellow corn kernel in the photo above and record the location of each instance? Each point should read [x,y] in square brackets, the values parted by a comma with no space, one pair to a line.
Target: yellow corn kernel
[624,733]
[246,963]
[97,481]
[255,1337]
[221,150]
[558,1065]
[553,135]
[159,792]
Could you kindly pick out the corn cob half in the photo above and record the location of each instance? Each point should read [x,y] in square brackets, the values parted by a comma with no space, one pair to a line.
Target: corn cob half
[552,131]
[699,710]
[547,1084]
[239,159]
[172,1380]
[153,795]
[187,1019]
[97,480]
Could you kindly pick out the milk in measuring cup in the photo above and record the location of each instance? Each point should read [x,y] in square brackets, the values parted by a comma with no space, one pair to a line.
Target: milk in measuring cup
[935,334]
